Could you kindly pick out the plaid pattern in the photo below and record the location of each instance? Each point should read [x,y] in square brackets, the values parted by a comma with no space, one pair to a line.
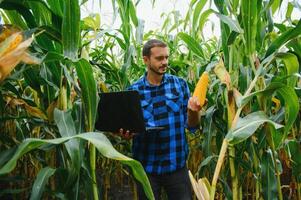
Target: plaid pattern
[164,105]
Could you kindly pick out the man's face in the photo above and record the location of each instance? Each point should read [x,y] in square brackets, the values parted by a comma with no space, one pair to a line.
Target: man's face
[157,62]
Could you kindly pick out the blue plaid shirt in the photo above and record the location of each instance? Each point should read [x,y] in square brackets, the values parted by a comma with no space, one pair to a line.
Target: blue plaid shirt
[162,151]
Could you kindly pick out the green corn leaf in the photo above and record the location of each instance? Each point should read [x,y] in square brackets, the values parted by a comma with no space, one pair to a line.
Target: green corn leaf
[268,91]
[71,28]
[12,191]
[53,56]
[235,5]
[192,44]
[275,5]
[188,15]
[139,32]
[6,155]
[133,14]
[40,11]
[233,24]
[89,91]
[15,18]
[284,38]
[51,74]
[295,45]
[66,128]
[247,126]
[92,21]
[291,107]
[56,7]
[124,8]
[196,14]
[249,19]
[225,35]
[22,9]
[166,23]
[23,148]
[83,2]
[289,10]
[40,183]
[204,18]
[233,35]
[220,4]
[269,181]
[209,131]
[52,33]
[99,140]
[119,40]
[289,96]
[207,161]
[292,67]
[293,149]
[32,78]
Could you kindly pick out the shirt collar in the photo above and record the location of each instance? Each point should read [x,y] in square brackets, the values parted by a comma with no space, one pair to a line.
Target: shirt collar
[150,85]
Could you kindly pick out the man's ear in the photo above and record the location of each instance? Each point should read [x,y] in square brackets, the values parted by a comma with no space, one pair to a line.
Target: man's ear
[145,59]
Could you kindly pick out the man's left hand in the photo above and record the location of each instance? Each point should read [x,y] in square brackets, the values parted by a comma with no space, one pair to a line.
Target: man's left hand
[194,104]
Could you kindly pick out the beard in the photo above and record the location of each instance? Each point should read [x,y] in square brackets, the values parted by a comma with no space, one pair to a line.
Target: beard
[157,71]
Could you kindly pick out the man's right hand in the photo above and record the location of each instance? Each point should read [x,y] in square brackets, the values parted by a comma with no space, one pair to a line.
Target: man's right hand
[125,134]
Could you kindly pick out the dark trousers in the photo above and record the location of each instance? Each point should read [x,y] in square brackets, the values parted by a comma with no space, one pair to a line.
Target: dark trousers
[176,185]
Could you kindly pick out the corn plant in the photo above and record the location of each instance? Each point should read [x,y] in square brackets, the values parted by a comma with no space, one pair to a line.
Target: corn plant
[249,143]
[261,120]
[63,91]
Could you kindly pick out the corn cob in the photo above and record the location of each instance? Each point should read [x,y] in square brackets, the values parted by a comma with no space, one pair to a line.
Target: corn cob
[201,88]
[10,43]
[7,30]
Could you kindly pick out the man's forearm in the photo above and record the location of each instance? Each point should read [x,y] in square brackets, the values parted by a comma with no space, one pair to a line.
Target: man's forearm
[193,118]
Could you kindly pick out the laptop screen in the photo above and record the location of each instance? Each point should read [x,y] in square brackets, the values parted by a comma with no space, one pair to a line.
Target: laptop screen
[120,110]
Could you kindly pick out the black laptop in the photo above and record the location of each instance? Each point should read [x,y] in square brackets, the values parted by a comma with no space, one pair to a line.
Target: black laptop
[121,110]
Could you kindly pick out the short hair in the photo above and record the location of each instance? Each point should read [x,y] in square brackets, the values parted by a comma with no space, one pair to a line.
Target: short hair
[151,44]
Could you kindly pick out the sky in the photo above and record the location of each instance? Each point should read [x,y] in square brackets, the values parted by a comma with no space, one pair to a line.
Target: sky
[145,11]
[151,15]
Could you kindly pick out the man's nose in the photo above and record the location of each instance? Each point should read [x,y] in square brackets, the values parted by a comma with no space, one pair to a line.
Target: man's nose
[165,61]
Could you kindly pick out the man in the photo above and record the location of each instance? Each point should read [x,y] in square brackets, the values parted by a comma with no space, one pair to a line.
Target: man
[166,104]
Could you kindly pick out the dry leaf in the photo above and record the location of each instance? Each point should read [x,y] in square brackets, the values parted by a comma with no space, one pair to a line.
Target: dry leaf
[200,188]
[9,61]
[204,187]
[30,59]
[277,104]
[50,110]
[222,73]
[33,111]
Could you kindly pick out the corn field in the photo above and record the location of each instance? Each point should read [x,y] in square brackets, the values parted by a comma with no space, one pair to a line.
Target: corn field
[54,63]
